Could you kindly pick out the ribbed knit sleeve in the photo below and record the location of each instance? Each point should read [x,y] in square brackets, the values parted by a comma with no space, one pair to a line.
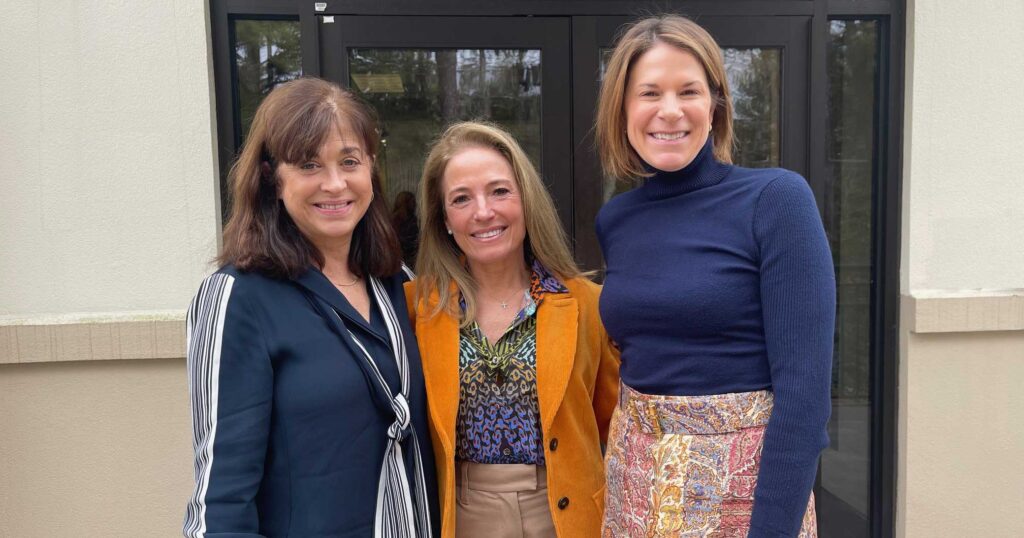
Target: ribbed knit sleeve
[798,299]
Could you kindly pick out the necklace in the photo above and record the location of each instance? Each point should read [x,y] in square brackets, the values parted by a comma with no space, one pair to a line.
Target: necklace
[504,304]
[340,285]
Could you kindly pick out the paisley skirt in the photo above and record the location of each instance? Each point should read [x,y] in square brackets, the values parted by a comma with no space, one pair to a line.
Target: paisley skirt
[686,465]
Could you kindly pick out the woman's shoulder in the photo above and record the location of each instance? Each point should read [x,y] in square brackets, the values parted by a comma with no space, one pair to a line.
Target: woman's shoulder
[583,289]
[763,178]
[231,281]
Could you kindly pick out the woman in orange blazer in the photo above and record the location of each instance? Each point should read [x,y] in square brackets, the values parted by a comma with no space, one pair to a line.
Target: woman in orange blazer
[521,377]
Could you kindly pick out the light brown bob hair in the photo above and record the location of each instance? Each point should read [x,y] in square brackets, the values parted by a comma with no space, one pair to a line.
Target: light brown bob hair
[440,260]
[618,158]
[290,126]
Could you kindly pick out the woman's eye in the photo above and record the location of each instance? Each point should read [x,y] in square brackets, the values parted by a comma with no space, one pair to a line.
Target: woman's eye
[308,166]
[350,163]
[460,199]
[691,92]
[502,191]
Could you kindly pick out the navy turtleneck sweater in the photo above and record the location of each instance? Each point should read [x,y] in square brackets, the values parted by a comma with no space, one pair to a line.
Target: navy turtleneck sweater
[720,279]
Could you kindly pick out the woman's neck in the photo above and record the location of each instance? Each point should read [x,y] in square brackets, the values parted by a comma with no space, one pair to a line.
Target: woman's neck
[336,266]
[495,279]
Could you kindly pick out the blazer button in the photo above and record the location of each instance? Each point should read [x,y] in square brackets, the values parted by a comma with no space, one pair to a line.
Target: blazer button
[553,445]
[563,502]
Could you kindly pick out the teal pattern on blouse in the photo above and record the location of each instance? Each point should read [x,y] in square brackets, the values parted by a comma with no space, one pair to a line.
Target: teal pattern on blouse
[498,419]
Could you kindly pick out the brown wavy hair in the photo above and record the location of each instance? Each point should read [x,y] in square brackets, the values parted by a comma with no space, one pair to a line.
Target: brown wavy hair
[290,126]
[618,158]
[440,260]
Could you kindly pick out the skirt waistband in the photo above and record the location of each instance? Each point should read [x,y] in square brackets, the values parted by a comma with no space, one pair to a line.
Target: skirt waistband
[696,415]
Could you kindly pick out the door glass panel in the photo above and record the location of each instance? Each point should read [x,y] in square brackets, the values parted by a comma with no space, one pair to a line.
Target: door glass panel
[417,92]
[755,80]
[845,465]
[266,53]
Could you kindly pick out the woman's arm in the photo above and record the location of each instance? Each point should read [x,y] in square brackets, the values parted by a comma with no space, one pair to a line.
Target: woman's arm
[798,301]
[231,388]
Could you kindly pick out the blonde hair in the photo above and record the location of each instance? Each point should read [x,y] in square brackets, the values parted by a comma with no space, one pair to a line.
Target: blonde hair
[439,261]
[618,158]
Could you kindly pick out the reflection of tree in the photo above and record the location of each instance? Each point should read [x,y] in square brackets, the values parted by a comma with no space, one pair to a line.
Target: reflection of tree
[267,53]
[448,85]
[754,80]
[442,86]
[482,84]
[853,79]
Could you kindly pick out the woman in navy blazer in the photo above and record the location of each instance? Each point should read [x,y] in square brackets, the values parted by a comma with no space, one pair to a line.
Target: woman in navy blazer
[309,413]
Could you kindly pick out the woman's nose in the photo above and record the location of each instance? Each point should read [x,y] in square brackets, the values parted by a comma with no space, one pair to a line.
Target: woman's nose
[670,108]
[483,210]
[334,180]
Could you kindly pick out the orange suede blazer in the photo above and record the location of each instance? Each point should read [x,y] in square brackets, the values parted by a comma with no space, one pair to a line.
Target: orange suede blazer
[577,389]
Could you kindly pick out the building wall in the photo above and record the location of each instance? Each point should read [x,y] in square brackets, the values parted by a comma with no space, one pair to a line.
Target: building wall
[109,180]
[94,448]
[108,217]
[962,348]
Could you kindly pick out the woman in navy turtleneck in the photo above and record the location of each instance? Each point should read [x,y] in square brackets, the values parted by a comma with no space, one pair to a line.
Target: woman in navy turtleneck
[720,293]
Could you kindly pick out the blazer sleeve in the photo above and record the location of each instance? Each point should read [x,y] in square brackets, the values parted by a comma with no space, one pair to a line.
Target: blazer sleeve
[606,387]
[231,387]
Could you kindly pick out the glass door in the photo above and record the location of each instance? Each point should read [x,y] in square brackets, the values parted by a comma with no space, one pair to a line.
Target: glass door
[422,73]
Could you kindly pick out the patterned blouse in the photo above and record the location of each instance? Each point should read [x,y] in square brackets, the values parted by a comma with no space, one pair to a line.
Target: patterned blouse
[499,417]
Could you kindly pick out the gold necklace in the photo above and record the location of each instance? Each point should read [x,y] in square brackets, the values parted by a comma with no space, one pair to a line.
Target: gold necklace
[357,279]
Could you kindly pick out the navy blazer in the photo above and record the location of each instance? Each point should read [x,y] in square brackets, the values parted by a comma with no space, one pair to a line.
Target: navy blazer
[289,434]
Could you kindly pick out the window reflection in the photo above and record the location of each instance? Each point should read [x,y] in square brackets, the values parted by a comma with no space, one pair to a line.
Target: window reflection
[417,92]
[845,464]
[267,53]
[754,82]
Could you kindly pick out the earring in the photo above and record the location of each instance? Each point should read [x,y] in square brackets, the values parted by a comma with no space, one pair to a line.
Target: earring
[449,231]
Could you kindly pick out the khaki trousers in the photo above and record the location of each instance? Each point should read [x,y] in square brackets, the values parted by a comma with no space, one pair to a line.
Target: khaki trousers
[501,501]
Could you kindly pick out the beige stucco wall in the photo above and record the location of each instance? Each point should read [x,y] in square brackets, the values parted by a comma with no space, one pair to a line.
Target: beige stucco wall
[108,176]
[964,125]
[108,215]
[95,448]
[962,440]
[962,334]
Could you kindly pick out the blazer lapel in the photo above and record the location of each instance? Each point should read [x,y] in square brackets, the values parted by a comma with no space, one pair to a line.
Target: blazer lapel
[557,320]
[315,281]
[438,338]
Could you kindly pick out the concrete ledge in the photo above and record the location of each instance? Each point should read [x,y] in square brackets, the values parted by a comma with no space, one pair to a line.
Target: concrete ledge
[932,311]
[92,338]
